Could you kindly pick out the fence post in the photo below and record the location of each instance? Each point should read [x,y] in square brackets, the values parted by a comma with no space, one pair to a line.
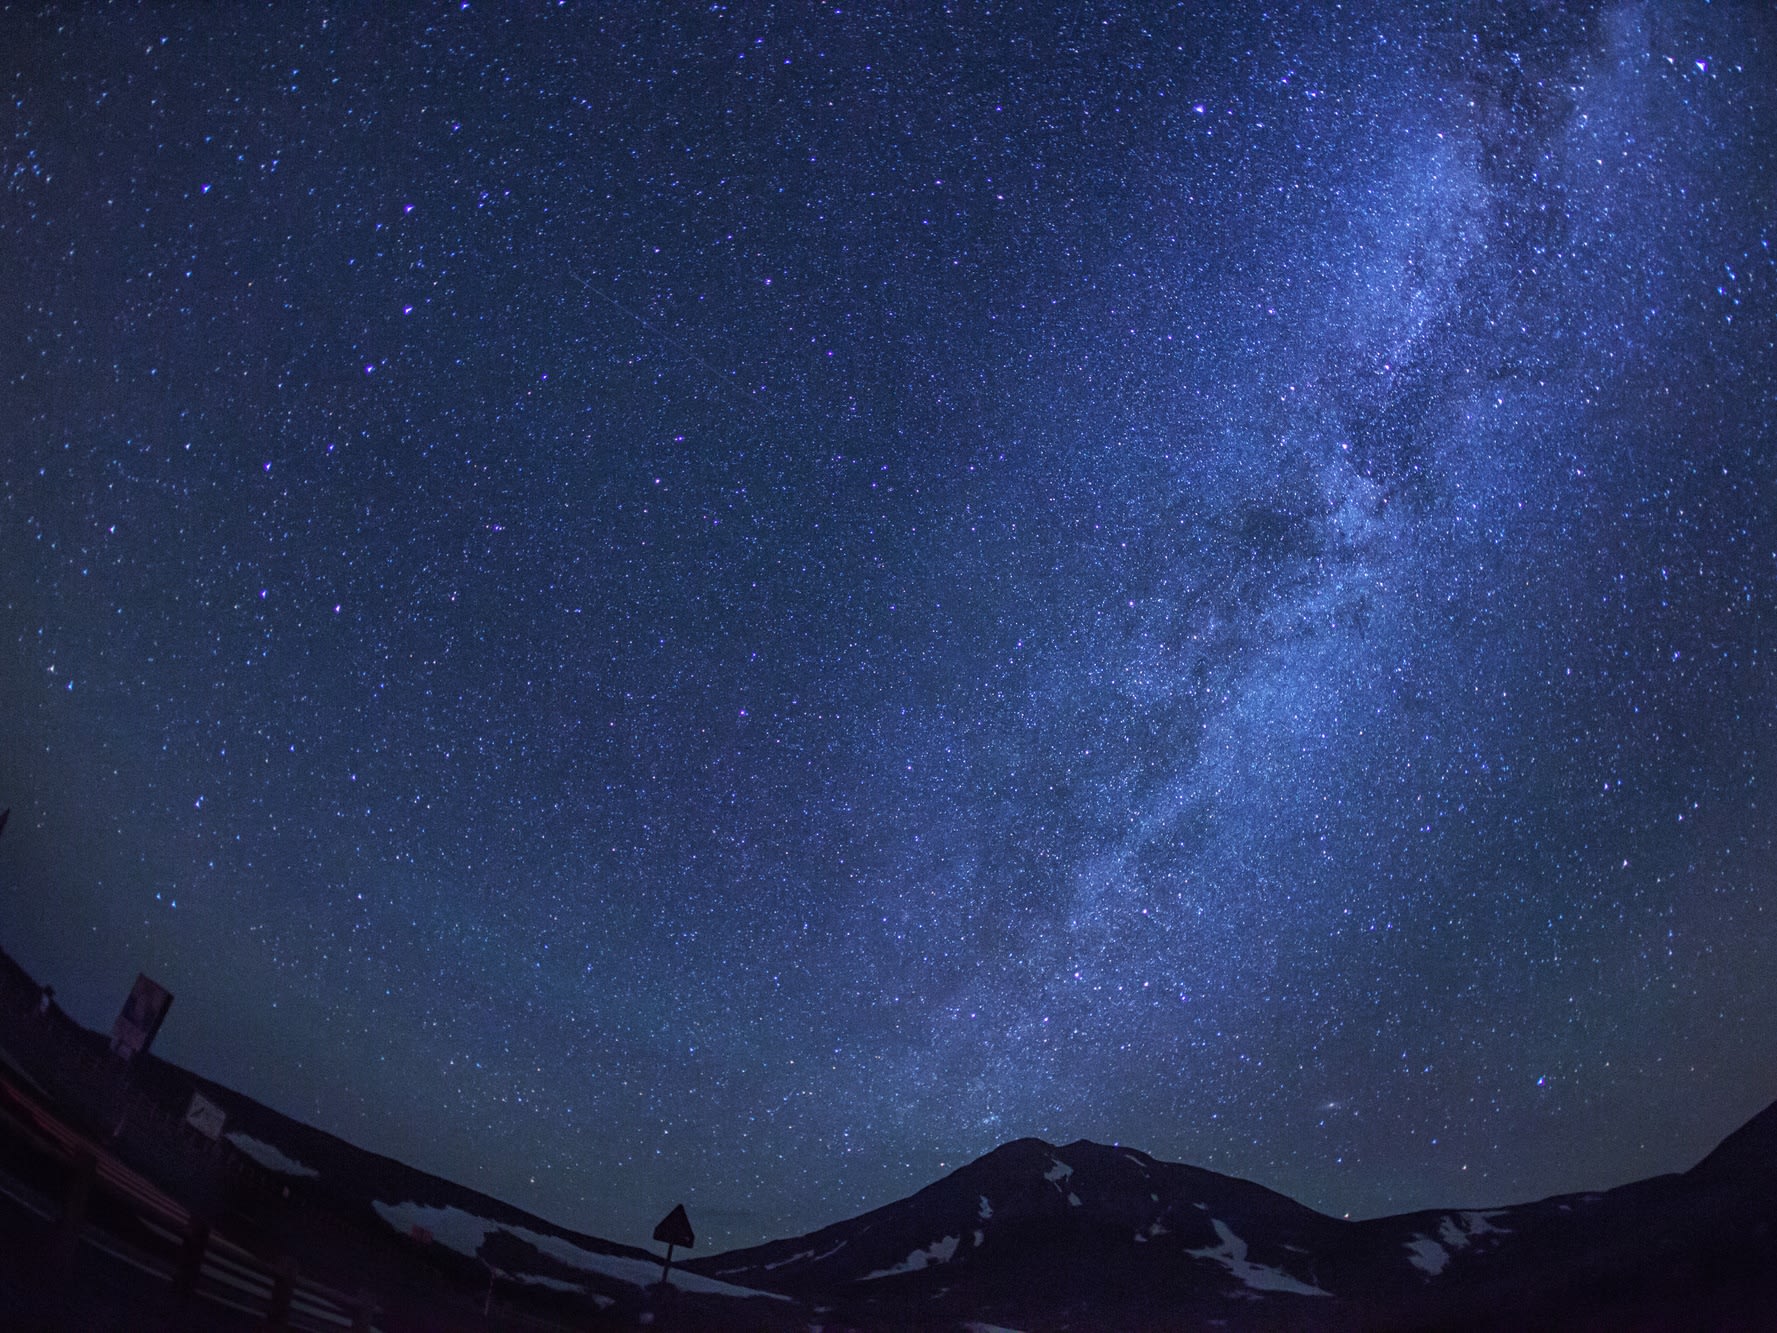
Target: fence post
[363,1313]
[283,1292]
[191,1257]
[73,1217]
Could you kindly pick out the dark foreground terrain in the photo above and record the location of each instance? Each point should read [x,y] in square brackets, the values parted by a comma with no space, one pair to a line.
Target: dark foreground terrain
[116,1214]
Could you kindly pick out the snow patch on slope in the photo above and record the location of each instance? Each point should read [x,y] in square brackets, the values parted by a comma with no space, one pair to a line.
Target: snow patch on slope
[269,1155]
[1455,1232]
[1427,1255]
[801,1256]
[938,1252]
[548,1283]
[1458,1231]
[464,1232]
[1057,1173]
[1231,1254]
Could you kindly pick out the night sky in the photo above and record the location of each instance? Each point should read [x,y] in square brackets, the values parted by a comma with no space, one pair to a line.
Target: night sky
[743,604]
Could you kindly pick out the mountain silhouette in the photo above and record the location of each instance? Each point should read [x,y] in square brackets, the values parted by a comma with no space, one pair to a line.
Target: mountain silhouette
[1083,1235]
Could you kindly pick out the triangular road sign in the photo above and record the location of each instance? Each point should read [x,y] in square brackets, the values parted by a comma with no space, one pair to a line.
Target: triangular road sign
[675,1229]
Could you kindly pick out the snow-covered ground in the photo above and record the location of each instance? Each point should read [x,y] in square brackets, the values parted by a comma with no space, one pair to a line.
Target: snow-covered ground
[1456,1231]
[1231,1254]
[464,1232]
[270,1156]
[938,1252]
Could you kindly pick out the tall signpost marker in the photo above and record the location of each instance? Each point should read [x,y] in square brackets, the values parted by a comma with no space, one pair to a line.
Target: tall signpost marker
[142,1015]
[674,1229]
[132,1034]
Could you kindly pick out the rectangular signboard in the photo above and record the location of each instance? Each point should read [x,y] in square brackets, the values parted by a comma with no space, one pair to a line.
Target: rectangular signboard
[141,1018]
[205,1116]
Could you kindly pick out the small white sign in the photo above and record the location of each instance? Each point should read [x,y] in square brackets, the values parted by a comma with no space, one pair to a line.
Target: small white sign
[205,1116]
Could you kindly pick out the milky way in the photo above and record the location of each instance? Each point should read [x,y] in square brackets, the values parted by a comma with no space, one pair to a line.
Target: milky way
[741,607]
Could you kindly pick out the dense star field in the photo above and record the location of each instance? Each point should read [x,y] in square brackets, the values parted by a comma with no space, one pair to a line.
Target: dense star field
[742,604]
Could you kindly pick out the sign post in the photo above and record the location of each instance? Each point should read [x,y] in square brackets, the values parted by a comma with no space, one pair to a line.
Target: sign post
[674,1229]
[143,1012]
[133,1032]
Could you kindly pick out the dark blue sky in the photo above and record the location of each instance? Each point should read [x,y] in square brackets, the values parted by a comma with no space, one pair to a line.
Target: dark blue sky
[742,605]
